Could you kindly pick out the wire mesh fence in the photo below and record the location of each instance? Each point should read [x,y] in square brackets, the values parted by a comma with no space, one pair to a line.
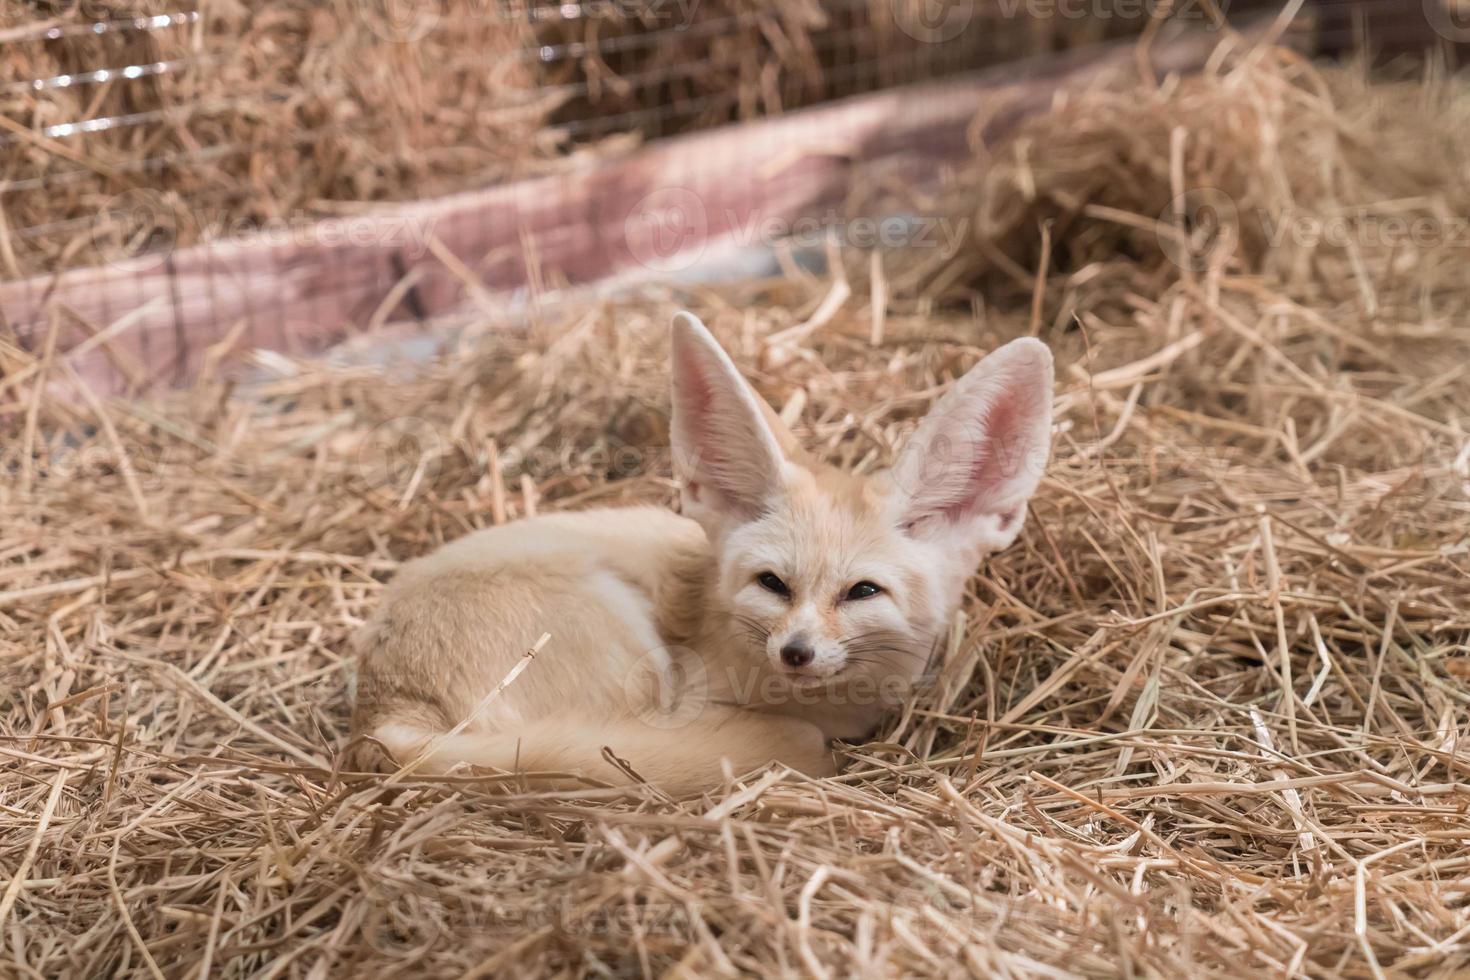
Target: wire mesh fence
[172,170]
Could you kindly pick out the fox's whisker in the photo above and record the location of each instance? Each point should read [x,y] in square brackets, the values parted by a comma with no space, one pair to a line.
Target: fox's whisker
[910,650]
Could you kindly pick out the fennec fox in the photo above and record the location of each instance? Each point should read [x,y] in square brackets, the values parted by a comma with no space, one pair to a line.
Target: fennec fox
[795,603]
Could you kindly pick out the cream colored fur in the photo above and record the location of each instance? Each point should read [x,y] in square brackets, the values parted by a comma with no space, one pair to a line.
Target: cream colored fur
[666,648]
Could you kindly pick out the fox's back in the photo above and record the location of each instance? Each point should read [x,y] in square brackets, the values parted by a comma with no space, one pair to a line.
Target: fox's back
[452,624]
[625,536]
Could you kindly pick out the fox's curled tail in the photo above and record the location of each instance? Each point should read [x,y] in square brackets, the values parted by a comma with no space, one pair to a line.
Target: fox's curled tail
[681,760]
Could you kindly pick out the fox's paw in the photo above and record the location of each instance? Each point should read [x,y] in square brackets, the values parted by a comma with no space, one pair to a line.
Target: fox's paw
[805,749]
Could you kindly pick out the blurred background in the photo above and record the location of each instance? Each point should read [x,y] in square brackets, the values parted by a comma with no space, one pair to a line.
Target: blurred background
[206,167]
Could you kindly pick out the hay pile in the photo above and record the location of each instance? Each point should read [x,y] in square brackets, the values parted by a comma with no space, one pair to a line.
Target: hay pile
[1206,718]
[246,113]
[178,122]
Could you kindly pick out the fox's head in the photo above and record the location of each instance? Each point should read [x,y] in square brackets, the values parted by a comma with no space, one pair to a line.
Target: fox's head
[834,575]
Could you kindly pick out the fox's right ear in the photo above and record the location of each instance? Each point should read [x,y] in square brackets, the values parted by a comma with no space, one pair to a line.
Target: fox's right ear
[968,471]
[727,458]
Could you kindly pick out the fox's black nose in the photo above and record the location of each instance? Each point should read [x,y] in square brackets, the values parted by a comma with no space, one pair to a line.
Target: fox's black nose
[797,654]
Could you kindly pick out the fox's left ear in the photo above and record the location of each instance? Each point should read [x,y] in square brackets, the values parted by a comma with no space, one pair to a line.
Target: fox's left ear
[977,457]
[729,447]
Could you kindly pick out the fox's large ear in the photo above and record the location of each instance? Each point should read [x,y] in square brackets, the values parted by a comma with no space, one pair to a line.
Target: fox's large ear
[977,457]
[727,455]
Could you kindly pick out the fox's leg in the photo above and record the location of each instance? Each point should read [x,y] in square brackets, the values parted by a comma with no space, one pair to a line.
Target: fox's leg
[683,760]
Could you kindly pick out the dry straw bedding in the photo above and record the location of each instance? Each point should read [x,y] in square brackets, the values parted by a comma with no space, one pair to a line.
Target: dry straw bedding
[1205,718]
[248,114]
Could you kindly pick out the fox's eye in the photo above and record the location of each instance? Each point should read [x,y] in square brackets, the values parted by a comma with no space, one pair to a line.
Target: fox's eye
[863,590]
[771,583]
